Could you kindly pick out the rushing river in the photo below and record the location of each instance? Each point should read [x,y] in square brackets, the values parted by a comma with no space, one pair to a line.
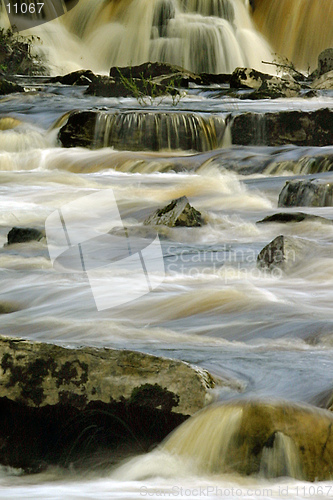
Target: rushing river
[270,332]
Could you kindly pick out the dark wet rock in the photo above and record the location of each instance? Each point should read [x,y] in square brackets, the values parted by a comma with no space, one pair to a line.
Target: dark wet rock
[324,82]
[24,234]
[8,87]
[142,130]
[105,86]
[177,213]
[59,404]
[325,61]
[80,77]
[261,438]
[292,217]
[282,253]
[275,88]
[286,127]
[79,130]
[146,70]
[306,193]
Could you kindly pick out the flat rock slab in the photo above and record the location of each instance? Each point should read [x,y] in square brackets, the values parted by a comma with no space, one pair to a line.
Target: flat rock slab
[37,374]
[293,217]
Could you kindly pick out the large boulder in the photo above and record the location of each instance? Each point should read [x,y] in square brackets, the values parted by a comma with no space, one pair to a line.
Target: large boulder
[325,61]
[248,78]
[286,127]
[267,439]
[306,193]
[275,88]
[283,253]
[80,77]
[58,404]
[178,212]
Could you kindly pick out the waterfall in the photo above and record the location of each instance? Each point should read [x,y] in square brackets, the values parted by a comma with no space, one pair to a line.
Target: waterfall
[297,29]
[156,131]
[203,36]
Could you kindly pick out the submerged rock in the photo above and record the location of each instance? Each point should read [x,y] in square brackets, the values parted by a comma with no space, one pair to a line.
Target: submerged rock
[307,193]
[266,439]
[177,213]
[58,404]
[292,217]
[283,253]
[24,234]
[286,127]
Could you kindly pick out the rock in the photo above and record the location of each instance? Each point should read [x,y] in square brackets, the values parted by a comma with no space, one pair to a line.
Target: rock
[275,88]
[105,86]
[286,217]
[306,193]
[248,78]
[283,253]
[7,87]
[177,213]
[58,404]
[324,82]
[265,439]
[24,234]
[142,130]
[286,127]
[8,307]
[79,130]
[147,71]
[80,77]
[325,61]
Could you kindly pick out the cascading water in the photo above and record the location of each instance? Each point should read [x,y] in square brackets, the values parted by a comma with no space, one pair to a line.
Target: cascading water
[203,37]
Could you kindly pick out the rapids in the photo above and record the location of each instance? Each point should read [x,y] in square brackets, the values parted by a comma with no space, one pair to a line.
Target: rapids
[271,332]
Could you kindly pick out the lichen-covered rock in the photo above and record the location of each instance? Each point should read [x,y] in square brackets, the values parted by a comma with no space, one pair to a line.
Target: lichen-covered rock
[262,438]
[24,234]
[283,253]
[177,213]
[37,375]
[275,88]
[286,127]
[60,405]
[248,78]
[306,193]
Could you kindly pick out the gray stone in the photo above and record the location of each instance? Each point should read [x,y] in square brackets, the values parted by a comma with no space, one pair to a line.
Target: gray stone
[177,213]
[324,82]
[283,253]
[306,193]
[248,78]
[275,88]
[325,61]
